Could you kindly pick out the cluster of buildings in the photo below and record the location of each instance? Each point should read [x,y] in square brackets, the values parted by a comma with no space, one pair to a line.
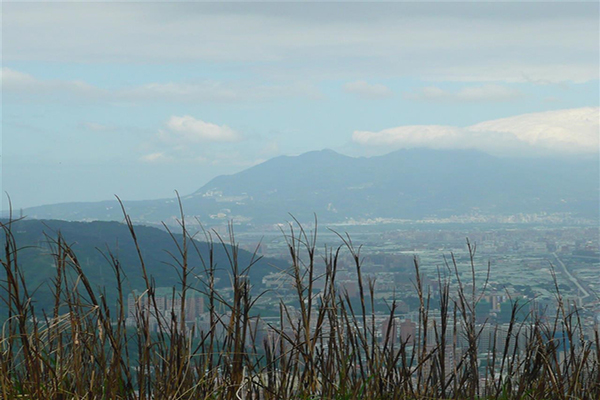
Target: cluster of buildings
[164,307]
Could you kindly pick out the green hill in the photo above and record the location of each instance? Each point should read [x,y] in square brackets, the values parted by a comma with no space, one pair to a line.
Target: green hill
[94,242]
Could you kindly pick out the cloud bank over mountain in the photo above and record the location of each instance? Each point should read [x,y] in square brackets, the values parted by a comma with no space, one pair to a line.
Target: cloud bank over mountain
[573,131]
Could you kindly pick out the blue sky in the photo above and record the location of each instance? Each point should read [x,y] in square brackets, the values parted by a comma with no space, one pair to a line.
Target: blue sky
[140,99]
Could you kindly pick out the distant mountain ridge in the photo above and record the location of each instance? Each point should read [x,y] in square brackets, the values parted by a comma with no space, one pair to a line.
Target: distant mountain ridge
[405,184]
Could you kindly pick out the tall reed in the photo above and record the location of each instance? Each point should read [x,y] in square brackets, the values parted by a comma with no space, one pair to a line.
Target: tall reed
[325,344]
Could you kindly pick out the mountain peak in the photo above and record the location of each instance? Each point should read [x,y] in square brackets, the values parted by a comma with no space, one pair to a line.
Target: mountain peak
[406,184]
[321,153]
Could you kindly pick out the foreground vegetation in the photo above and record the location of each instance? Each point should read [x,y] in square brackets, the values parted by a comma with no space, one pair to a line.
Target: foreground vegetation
[327,346]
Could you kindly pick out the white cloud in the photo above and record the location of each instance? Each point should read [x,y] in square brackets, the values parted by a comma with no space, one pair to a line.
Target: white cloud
[573,131]
[484,93]
[187,129]
[12,78]
[367,90]
[195,92]
[24,85]
[21,85]
[517,71]
[179,92]
[155,157]
[96,127]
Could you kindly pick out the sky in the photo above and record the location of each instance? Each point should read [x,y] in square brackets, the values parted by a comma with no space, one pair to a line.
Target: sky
[140,99]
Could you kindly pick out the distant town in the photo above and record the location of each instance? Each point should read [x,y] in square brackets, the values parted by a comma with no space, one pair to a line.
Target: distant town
[527,264]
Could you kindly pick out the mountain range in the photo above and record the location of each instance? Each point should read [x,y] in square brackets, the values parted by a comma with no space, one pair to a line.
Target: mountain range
[406,184]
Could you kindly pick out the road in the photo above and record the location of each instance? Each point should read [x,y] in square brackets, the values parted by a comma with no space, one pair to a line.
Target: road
[571,277]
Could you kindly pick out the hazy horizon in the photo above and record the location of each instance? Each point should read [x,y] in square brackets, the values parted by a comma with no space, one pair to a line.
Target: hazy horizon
[175,191]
